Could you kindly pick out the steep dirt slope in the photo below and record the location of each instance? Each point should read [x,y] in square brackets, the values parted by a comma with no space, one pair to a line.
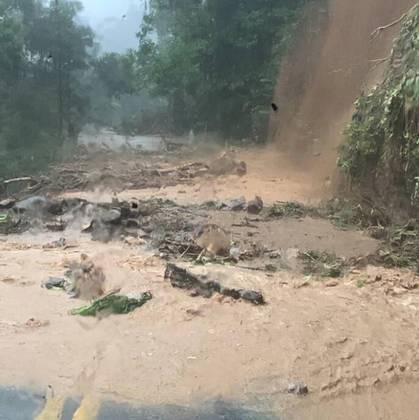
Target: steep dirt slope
[332,62]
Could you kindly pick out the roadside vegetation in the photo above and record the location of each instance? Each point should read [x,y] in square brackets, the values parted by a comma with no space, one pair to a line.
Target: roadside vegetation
[381,152]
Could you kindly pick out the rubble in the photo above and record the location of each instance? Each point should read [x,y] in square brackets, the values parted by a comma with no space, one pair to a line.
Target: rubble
[199,286]
[255,206]
[298,388]
[226,163]
[85,279]
[82,280]
[54,283]
[213,240]
[92,169]
[7,203]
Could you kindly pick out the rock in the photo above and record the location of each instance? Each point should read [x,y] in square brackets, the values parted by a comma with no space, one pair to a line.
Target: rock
[223,164]
[112,216]
[35,203]
[331,283]
[60,243]
[275,254]
[84,279]
[235,253]
[241,168]
[255,206]
[213,239]
[298,388]
[253,297]
[237,204]
[54,283]
[7,204]
[270,268]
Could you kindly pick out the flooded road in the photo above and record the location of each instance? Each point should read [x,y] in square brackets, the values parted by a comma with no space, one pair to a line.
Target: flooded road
[353,340]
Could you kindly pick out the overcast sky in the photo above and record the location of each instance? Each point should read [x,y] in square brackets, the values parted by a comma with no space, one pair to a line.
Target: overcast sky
[115,31]
[98,10]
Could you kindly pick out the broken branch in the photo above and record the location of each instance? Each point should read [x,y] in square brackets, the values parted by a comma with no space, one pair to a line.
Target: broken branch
[22,179]
[380,29]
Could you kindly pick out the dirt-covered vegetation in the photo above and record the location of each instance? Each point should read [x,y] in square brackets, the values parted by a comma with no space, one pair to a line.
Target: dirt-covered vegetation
[381,153]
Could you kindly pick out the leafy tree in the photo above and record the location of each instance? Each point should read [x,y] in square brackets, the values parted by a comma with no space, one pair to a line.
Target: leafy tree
[42,52]
[216,61]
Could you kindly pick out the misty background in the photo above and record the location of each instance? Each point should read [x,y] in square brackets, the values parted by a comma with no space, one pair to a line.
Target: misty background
[115,23]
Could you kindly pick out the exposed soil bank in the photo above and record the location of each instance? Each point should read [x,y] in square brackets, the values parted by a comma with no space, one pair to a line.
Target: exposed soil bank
[332,63]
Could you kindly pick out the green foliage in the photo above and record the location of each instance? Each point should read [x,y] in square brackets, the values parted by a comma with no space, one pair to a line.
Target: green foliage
[346,213]
[287,209]
[360,283]
[42,52]
[402,246]
[382,147]
[113,304]
[216,61]
[116,73]
[322,264]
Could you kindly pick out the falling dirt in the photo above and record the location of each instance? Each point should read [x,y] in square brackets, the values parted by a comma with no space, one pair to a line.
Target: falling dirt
[331,64]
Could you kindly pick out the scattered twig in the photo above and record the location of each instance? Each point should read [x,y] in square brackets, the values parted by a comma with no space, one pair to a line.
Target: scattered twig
[380,60]
[186,251]
[246,267]
[21,179]
[249,225]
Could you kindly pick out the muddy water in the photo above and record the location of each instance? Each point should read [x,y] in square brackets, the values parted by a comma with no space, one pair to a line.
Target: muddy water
[180,350]
[354,342]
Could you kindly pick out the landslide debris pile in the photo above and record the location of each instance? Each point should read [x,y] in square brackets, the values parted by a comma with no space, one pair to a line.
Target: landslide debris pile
[92,169]
[381,152]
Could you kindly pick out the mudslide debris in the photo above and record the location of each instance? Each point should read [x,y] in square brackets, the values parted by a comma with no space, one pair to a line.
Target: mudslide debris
[213,240]
[199,286]
[255,206]
[83,280]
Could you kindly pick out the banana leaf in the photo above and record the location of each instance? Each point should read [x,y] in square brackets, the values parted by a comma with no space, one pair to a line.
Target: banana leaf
[4,217]
[113,304]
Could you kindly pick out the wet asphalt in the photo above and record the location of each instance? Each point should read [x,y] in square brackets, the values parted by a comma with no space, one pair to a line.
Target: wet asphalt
[25,405]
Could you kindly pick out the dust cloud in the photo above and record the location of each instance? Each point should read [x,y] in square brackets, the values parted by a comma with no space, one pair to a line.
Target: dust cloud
[332,63]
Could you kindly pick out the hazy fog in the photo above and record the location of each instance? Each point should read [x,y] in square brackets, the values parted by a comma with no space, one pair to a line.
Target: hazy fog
[115,22]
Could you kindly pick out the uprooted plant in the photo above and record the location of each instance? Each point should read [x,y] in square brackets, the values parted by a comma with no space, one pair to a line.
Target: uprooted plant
[288,209]
[322,264]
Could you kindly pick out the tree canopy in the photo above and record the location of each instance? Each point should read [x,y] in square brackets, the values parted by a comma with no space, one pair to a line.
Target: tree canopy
[216,61]
[42,49]
[207,65]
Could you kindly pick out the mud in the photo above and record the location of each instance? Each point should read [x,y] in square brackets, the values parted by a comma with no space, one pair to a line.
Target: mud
[351,341]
